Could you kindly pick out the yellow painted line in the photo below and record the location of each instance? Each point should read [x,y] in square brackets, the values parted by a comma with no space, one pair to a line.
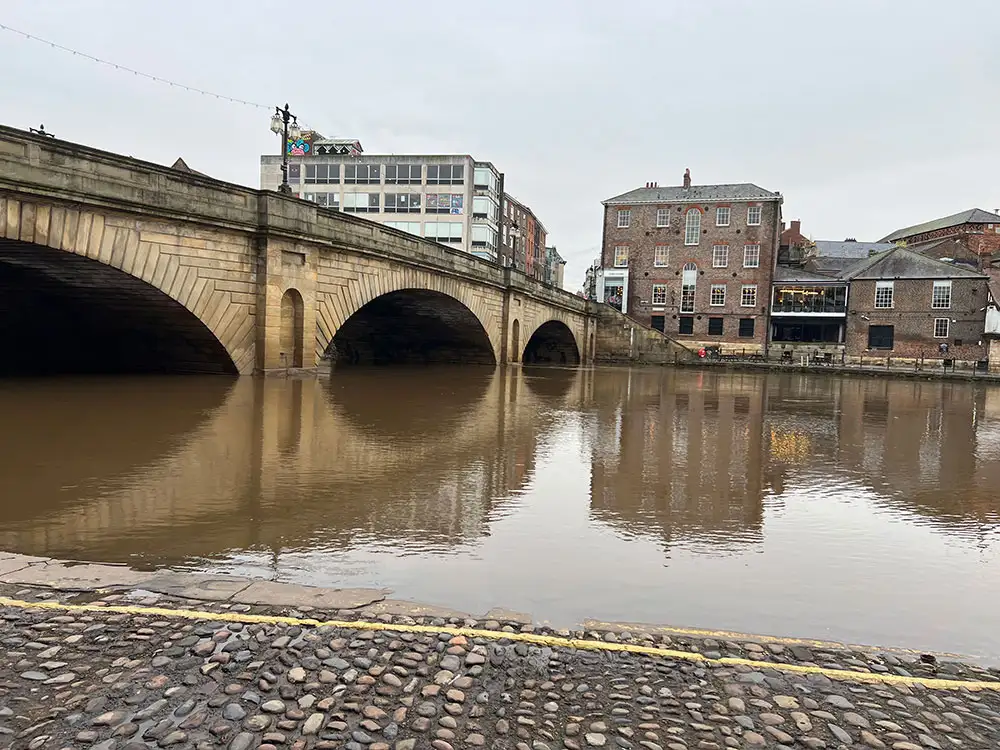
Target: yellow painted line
[533,638]
[732,635]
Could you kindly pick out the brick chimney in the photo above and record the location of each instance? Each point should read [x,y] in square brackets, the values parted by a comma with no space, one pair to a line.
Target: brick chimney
[687,178]
[797,226]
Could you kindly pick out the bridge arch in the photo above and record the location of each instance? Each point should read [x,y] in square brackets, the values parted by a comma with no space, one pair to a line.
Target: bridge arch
[108,298]
[446,318]
[553,342]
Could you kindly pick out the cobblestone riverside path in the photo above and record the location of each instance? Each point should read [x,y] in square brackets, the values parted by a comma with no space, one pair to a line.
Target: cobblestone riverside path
[123,672]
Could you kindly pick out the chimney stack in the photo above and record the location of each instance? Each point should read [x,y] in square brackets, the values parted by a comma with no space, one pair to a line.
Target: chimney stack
[687,178]
[797,226]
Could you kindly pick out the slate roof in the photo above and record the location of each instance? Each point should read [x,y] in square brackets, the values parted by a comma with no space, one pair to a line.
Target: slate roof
[972,216]
[786,275]
[834,249]
[743,191]
[900,263]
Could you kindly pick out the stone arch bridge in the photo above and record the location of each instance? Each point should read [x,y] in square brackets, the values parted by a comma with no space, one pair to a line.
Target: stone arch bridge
[108,263]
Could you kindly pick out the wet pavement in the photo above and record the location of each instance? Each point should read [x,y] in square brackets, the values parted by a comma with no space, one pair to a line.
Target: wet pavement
[135,669]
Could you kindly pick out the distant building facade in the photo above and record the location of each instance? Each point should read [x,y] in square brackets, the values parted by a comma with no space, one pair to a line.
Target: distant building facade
[555,267]
[452,199]
[523,238]
[976,229]
[693,261]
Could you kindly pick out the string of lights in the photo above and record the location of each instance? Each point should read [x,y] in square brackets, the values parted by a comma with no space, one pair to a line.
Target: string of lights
[116,66]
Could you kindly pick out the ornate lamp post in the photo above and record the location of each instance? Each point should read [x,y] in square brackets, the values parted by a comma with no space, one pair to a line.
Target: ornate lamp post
[283,123]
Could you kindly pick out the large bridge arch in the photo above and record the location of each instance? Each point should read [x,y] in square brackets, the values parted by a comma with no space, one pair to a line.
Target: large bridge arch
[146,278]
[457,305]
[552,342]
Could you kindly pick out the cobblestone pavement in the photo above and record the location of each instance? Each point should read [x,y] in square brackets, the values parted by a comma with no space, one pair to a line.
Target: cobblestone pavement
[138,679]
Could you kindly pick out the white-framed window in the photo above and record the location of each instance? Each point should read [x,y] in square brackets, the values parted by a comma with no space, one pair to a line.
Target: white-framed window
[751,256]
[659,294]
[941,295]
[621,256]
[720,256]
[692,226]
[661,256]
[413,227]
[753,216]
[717,297]
[624,217]
[362,202]
[941,326]
[748,295]
[689,277]
[883,294]
[722,216]
[663,217]
[443,231]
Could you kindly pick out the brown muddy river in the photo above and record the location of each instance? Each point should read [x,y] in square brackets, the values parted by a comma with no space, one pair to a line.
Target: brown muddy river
[852,509]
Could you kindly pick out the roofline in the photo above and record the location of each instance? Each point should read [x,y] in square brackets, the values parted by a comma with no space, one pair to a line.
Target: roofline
[622,202]
[916,278]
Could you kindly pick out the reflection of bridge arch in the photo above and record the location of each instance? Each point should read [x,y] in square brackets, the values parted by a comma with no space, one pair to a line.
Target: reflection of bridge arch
[265,470]
[82,298]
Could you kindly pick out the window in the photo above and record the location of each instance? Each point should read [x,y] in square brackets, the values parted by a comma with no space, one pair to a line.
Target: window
[883,294]
[717,298]
[444,203]
[685,325]
[402,203]
[483,236]
[659,294]
[484,207]
[621,256]
[941,296]
[687,297]
[505,234]
[880,337]
[361,202]
[661,256]
[484,179]
[722,216]
[663,217]
[443,231]
[403,174]
[746,328]
[720,256]
[322,174]
[446,174]
[753,216]
[715,326]
[413,227]
[330,200]
[941,326]
[751,256]
[748,295]
[295,172]
[692,227]
[658,322]
[362,174]
[624,217]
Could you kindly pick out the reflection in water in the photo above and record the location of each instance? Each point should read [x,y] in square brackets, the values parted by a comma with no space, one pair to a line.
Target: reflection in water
[817,506]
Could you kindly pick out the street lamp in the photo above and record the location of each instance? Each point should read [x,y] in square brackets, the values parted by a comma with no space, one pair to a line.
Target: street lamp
[283,123]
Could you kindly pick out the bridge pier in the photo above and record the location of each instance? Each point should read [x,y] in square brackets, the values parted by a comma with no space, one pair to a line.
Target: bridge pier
[286,306]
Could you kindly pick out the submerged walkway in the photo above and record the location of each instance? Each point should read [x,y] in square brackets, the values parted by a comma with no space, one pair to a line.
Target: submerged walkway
[137,669]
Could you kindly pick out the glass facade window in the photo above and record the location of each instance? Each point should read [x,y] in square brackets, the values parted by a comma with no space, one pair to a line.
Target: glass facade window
[809,299]
[443,231]
[445,174]
[403,174]
[321,174]
[402,203]
[361,174]
[361,202]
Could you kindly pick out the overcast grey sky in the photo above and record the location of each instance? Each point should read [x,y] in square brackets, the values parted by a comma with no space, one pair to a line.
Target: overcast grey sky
[867,115]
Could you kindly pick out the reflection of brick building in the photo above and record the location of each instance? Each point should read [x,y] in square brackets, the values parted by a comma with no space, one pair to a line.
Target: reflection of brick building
[681,461]
[694,261]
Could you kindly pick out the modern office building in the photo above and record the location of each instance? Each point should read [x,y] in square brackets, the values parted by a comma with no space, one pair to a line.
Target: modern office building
[453,199]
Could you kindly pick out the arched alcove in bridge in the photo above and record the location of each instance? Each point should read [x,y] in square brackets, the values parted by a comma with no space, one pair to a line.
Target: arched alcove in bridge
[552,343]
[411,326]
[62,312]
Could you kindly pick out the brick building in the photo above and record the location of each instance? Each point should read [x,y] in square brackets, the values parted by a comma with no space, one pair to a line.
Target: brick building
[523,238]
[694,261]
[976,229]
[905,305]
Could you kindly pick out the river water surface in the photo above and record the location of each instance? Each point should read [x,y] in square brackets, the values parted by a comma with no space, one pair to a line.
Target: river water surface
[843,508]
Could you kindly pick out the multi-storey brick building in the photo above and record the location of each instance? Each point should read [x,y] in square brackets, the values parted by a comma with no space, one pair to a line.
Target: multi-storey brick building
[694,261]
[522,238]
